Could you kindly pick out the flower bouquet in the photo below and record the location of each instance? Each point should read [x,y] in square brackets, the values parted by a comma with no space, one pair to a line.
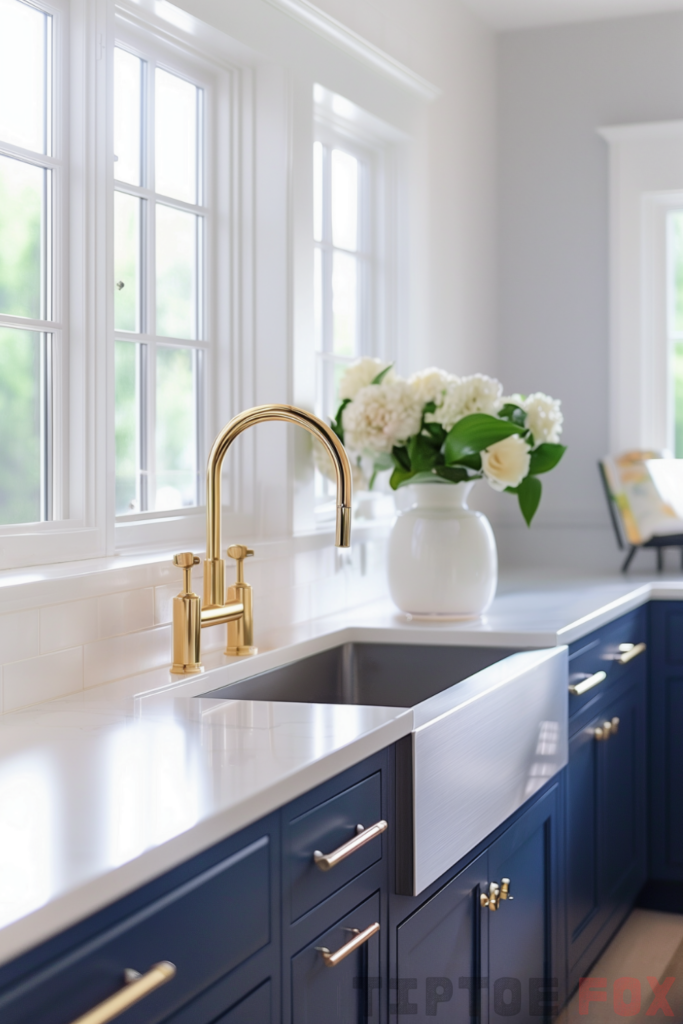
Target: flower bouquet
[436,427]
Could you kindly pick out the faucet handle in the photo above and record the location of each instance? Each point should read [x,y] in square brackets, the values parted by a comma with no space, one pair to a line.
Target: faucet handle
[185,560]
[239,552]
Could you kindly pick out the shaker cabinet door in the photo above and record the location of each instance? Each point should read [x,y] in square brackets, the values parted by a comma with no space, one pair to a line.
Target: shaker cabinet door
[441,953]
[525,932]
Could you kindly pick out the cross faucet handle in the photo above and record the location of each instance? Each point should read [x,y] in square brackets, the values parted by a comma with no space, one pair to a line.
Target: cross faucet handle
[185,560]
[239,552]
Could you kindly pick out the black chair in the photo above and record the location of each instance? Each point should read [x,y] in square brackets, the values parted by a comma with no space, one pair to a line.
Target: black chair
[673,540]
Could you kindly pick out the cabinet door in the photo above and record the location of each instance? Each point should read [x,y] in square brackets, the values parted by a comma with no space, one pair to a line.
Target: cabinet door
[441,953]
[666,749]
[623,867]
[348,992]
[583,811]
[524,933]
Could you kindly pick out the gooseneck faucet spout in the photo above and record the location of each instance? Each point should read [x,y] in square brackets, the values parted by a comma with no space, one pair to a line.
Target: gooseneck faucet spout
[188,615]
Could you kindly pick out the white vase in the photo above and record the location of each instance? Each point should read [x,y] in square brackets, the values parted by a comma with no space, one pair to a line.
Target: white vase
[442,560]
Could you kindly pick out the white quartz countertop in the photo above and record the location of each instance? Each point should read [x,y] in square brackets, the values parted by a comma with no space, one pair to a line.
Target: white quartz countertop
[102,791]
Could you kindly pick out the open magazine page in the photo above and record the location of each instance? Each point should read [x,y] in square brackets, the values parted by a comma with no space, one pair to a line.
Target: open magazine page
[643,486]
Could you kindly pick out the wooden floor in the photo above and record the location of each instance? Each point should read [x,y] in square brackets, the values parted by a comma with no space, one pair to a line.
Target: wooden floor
[649,944]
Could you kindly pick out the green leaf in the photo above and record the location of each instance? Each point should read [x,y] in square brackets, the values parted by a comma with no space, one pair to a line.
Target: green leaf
[546,457]
[398,477]
[472,434]
[454,474]
[381,375]
[529,496]
[471,461]
[513,413]
[401,458]
[336,423]
[422,452]
[429,407]
[436,431]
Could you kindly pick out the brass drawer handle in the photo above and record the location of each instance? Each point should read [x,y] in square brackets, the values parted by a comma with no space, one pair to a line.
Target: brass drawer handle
[139,986]
[603,732]
[629,652]
[325,861]
[577,689]
[359,939]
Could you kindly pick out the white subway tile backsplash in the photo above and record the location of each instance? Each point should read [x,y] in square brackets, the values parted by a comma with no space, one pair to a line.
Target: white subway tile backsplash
[67,625]
[128,612]
[19,635]
[94,628]
[43,678]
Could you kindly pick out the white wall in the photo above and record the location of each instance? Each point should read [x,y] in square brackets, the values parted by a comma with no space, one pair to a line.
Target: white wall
[556,86]
[453,310]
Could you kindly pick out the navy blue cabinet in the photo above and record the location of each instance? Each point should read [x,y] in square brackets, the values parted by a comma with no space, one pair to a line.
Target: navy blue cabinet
[606,798]
[462,955]
[666,746]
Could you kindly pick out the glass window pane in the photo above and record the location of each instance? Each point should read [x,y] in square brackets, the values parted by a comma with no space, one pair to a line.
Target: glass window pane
[176,137]
[176,429]
[21,215]
[127,113]
[344,200]
[318,191]
[344,304]
[126,262]
[20,403]
[126,426]
[176,253]
[23,63]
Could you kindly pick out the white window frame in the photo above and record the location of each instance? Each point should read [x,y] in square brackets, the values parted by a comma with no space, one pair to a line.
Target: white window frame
[646,181]
[383,150]
[225,98]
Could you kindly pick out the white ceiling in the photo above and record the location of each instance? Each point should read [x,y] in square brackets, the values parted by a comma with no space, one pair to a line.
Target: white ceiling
[510,14]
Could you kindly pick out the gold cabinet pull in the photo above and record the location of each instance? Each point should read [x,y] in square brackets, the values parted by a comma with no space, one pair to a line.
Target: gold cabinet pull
[615,723]
[496,893]
[325,861]
[629,652]
[359,939]
[135,989]
[604,731]
[587,684]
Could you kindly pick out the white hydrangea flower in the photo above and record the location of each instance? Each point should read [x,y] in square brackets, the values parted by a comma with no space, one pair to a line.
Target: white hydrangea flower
[381,416]
[467,395]
[431,385]
[506,462]
[359,375]
[543,416]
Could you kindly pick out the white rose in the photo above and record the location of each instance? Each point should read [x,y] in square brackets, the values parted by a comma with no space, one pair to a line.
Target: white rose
[381,416]
[359,375]
[543,417]
[431,385]
[506,462]
[467,395]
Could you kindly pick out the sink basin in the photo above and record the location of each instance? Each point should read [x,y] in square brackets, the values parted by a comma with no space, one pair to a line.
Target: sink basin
[384,675]
[488,730]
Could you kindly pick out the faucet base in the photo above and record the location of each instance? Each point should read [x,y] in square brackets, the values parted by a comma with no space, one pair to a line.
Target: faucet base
[241,651]
[186,670]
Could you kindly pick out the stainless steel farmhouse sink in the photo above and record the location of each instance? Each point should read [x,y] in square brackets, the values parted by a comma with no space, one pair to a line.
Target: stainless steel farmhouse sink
[489,728]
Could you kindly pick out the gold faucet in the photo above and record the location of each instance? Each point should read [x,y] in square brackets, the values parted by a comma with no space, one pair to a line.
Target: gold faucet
[189,614]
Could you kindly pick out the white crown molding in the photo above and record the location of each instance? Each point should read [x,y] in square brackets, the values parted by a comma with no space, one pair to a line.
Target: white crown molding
[350,42]
[633,132]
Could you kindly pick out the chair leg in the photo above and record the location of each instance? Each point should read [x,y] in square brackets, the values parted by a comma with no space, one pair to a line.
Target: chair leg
[629,558]
[660,559]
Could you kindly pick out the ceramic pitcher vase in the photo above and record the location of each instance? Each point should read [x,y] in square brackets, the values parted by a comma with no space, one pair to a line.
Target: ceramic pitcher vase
[442,559]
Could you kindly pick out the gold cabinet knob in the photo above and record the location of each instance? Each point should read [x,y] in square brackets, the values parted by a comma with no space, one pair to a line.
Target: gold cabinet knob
[615,725]
[604,731]
[495,894]
[505,889]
